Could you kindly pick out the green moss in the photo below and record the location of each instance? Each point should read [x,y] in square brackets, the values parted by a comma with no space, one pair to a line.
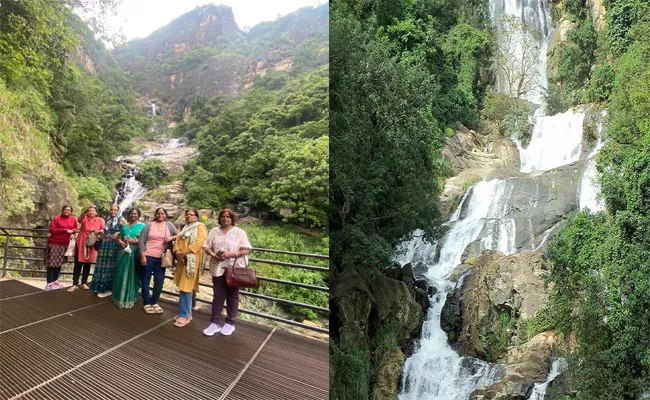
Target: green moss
[350,372]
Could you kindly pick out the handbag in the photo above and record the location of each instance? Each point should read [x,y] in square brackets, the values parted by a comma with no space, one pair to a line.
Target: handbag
[241,277]
[98,244]
[70,250]
[91,239]
[167,257]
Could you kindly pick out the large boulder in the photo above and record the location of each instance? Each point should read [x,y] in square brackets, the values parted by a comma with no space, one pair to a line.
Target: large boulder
[472,157]
[528,364]
[394,304]
[498,290]
[353,301]
[387,376]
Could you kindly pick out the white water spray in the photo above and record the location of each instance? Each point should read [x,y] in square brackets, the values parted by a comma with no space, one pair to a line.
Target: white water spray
[435,370]
[556,141]
[539,390]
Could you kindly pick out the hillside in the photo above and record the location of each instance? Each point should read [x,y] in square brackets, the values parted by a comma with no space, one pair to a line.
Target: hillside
[205,53]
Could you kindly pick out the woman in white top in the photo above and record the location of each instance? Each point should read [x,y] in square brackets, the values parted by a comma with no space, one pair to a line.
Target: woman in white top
[228,246]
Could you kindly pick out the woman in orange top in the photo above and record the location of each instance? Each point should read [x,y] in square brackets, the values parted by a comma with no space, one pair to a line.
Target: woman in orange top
[85,255]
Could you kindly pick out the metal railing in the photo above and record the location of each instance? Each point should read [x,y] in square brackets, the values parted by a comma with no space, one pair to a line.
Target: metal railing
[19,242]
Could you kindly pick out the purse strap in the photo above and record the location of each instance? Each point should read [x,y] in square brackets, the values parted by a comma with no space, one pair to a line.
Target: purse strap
[237,258]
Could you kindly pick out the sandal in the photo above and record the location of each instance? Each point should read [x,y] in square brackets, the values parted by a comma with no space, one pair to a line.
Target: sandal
[72,288]
[181,322]
[157,309]
[148,309]
[84,286]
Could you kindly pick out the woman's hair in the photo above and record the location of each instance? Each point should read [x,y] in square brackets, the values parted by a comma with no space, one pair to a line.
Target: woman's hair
[194,211]
[136,210]
[160,208]
[64,207]
[114,205]
[231,214]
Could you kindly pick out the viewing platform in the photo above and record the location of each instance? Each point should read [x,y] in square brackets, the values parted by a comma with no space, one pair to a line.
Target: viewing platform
[60,345]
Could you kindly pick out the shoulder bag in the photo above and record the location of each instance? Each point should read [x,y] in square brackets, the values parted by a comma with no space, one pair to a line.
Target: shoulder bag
[167,257]
[241,277]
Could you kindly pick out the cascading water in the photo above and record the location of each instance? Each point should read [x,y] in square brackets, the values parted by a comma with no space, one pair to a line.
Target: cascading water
[173,144]
[153,110]
[589,193]
[539,390]
[436,371]
[129,192]
[536,14]
[556,141]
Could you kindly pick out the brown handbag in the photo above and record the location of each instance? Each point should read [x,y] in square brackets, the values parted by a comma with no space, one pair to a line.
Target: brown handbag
[240,277]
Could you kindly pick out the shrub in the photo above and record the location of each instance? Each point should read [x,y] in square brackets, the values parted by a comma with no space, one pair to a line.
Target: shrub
[152,173]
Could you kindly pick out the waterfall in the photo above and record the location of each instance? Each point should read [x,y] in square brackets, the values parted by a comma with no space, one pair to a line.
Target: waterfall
[539,390]
[589,192]
[153,110]
[173,144]
[556,141]
[435,370]
[536,14]
[130,191]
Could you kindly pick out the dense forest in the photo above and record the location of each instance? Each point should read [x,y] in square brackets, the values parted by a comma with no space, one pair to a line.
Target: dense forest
[403,74]
[53,112]
[600,262]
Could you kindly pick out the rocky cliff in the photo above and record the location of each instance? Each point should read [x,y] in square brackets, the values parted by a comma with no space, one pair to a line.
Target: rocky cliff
[205,53]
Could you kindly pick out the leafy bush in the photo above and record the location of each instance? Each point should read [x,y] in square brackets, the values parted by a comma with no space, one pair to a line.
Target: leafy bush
[601,83]
[575,57]
[554,101]
[92,191]
[282,237]
[152,173]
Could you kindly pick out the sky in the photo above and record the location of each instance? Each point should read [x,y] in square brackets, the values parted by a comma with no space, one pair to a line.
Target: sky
[139,18]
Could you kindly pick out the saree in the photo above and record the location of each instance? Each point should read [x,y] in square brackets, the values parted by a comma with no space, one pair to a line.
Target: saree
[127,281]
[107,257]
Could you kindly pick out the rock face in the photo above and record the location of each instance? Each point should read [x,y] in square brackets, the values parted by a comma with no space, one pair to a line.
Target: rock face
[472,157]
[388,373]
[498,290]
[48,198]
[205,53]
[364,306]
[528,364]
[559,36]
[597,12]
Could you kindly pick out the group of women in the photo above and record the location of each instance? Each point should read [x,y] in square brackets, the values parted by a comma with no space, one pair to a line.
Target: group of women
[131,252]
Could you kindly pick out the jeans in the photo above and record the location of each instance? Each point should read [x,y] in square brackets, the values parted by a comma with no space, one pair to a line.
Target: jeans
[153,267]
[185,304]
[230,295]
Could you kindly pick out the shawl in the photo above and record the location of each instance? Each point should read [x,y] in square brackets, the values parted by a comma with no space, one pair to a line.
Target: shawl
[190,231]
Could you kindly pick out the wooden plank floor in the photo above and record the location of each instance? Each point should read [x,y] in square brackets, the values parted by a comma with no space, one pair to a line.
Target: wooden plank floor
[60,345]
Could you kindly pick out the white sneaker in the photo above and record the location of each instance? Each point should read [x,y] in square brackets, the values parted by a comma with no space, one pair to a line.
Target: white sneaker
[105,294]
[227,330]
[212,329]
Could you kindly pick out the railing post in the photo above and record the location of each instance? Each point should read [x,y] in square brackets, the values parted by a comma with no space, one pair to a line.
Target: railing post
[4,262]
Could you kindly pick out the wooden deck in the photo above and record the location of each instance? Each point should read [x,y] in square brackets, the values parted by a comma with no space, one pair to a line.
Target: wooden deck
[60,345]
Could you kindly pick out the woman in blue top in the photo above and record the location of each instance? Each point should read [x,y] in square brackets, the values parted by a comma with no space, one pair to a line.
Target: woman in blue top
[109,251]
[127,281]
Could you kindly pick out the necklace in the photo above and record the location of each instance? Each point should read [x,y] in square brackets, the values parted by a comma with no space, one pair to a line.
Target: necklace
[160,228]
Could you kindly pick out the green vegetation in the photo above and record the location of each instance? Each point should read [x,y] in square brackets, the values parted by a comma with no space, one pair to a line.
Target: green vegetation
[401,72]
[152,173]
[268,147]
[53,112]
[283,237]
[600,263]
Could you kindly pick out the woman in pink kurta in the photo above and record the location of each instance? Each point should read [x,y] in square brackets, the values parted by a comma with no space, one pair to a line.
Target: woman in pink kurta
[85,255]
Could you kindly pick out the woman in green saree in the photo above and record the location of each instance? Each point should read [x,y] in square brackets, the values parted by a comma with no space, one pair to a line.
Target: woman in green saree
[127,281]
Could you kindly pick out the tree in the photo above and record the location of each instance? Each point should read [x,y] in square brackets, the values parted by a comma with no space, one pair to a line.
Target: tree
[517,56]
